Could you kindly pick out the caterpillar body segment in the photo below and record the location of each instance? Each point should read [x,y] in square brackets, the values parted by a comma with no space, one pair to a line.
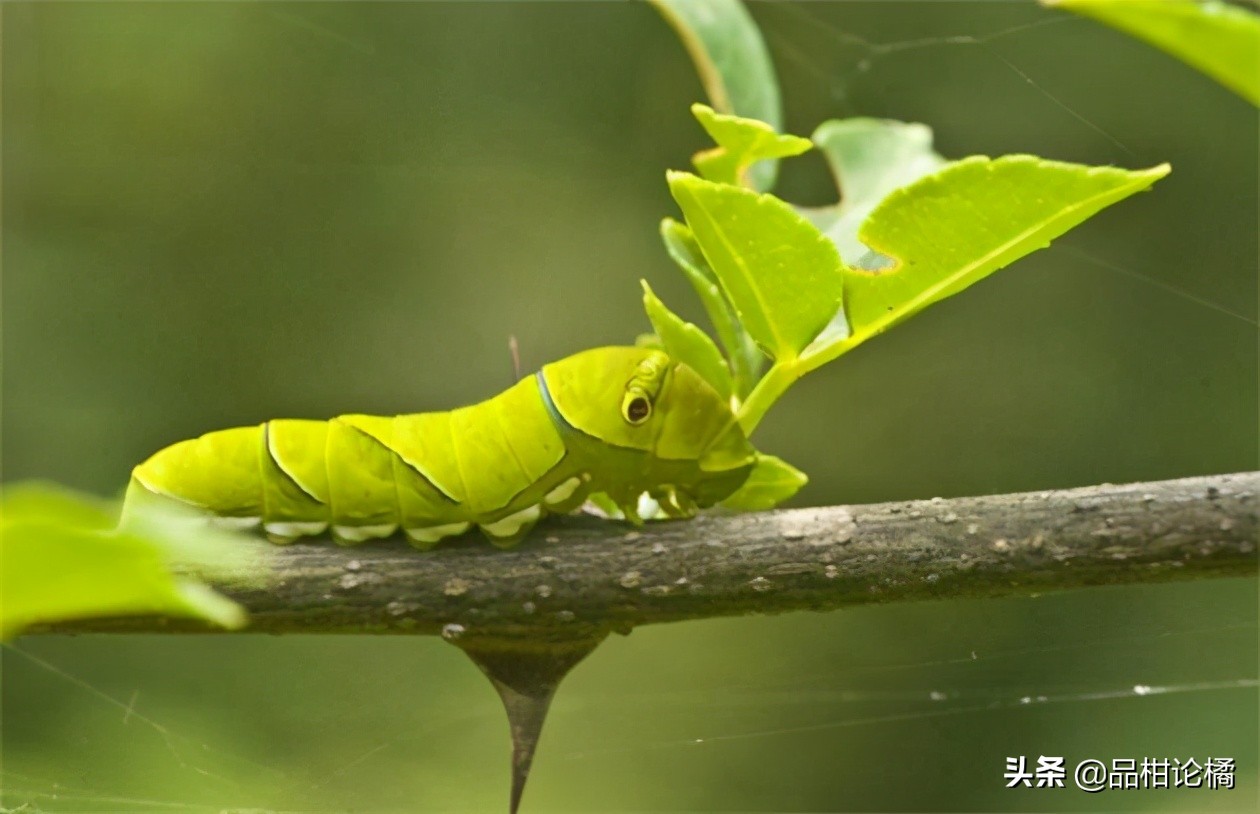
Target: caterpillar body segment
[622,421]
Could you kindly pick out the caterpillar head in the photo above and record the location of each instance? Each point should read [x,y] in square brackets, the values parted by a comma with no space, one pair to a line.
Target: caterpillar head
[640,400]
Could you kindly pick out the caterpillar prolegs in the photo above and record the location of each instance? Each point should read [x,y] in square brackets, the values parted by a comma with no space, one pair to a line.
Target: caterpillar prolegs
[618,420]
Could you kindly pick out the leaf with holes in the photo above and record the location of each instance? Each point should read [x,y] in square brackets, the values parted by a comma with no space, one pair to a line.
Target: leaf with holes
[975,216]
[869,158]
[741,144]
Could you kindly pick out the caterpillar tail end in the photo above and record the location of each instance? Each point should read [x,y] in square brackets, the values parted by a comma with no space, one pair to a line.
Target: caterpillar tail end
[140,500]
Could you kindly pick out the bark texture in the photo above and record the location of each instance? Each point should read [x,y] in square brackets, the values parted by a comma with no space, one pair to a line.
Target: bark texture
[578,578]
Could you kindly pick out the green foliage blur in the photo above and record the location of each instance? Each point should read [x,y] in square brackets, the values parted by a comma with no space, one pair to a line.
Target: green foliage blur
[65,556]
[1219,38]
[216,214]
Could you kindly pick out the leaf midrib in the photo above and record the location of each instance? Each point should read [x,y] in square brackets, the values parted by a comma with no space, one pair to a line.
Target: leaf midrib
[749,278]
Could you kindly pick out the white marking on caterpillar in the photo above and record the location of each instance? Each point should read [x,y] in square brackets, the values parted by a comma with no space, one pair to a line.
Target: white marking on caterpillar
[235,523]
[433,534]
[562,492]
[295,529]
[510,525]
[648,507]
[357,534]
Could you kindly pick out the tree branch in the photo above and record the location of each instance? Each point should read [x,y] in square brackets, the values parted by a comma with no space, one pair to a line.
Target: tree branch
[580,577]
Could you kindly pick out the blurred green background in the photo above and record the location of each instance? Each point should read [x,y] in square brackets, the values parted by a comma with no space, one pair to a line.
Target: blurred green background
[218,213]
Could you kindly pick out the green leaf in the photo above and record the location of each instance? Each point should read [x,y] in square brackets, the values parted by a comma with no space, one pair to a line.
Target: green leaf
[771,482]
[686,343]
[944,232]
[733,62]
[745,358]
[955,227]
[1219,39]
[781,274]
[63,559]
[869,159]
[741,144]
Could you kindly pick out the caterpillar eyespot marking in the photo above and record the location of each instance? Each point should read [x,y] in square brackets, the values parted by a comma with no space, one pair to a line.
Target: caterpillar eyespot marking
[621,421]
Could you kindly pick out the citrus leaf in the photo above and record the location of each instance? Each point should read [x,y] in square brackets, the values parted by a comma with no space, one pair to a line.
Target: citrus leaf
[771,482]
[1219,39]
[781,274]
[63,559]
[744,357]
[741,144]
[733,62]
[869,158]
[943,232]
[954,227]
[686,343]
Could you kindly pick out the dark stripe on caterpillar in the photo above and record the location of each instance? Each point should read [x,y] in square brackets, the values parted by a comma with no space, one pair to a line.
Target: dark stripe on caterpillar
[400,459]
[552,410]
[271,453]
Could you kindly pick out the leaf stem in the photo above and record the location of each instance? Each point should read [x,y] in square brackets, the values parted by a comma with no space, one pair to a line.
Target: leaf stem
[782,375]
[772,386]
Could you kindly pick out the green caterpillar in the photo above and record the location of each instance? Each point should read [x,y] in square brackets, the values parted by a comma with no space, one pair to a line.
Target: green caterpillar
[620,421]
